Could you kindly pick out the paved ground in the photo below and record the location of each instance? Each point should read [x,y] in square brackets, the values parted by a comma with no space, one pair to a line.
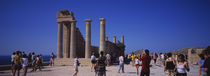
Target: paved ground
[156,70]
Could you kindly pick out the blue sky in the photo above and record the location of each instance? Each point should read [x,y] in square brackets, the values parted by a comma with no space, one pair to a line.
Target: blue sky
[158,25]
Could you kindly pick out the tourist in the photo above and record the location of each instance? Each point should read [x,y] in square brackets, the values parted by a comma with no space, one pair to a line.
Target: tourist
[12,61]
[108,59]
[76,64]
[33,57]
[145,63]
[121,64]
[17,63]
[101,66]
[24,64]
[41,60]
[29,59]
[137,63]
[182,66]
[93,61]
[133,59]
[202,72]
[155,57]
[37,63]
[95,70]
[52,57]
[162,58]
[170,65]
[207,61]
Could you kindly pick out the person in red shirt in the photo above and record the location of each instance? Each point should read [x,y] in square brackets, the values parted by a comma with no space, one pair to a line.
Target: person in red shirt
[145,63]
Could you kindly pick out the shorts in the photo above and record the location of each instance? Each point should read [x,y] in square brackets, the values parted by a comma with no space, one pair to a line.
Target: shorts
[12,63]
[17,66]
[137,65]
[93,61]
[51,60]
[75,67]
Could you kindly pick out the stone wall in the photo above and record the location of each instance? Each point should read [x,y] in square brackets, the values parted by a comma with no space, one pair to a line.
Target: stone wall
[80,44]
[193,55]
[113,49]
[94,49]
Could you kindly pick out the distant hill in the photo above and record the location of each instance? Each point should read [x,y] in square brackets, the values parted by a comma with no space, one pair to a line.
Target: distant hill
[185,50]
[136,52]
[180,51]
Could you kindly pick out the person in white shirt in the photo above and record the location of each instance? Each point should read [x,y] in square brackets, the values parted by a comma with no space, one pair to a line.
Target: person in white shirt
[93,61]
[12,61]
[25,64]
[137,63]
[162,59]
[108,59]
[76,64]
[121,64]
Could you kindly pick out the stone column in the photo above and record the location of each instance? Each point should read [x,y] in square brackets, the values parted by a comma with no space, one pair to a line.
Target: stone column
[60,41]
[73,40]
[106,38]
[114,39]
[102,34]
[122,39]
[88,38]
[66,40]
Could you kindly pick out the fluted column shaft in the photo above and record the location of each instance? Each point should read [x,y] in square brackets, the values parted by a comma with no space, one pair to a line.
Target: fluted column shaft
[88,38]
[122,39]
[114,39]
[102,34]
[73,40]
[66,40]
[60,41]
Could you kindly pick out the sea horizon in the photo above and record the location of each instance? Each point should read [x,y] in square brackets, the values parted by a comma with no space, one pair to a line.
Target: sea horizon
[6,59]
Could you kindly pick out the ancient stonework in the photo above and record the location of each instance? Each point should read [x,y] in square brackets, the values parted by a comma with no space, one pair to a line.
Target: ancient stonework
[193,55]
[71,42]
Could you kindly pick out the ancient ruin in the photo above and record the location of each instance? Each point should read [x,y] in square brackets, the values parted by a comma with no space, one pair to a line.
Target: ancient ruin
[74,45]
[193,55]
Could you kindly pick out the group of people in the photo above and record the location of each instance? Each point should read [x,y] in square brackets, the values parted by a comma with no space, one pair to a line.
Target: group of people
[20,60]
[142,60]
[179,66]
[175,66]
[99,65]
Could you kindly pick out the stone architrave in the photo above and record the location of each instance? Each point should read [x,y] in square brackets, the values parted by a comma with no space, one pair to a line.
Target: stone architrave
[66,40]
[88,38]
[60,41]
[122,39]
[114,39]
[102,34]
[73,39]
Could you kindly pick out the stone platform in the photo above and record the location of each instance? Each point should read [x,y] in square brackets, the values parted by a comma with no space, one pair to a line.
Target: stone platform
[70,61]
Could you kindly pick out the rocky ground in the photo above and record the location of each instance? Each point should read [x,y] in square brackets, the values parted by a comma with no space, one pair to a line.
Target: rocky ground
[156,70]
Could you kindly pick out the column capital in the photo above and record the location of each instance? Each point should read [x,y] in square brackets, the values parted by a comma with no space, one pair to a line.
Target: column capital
[102,19]
[88,20]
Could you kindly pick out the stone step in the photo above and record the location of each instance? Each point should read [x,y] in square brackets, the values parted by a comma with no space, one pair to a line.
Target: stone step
[70,61]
